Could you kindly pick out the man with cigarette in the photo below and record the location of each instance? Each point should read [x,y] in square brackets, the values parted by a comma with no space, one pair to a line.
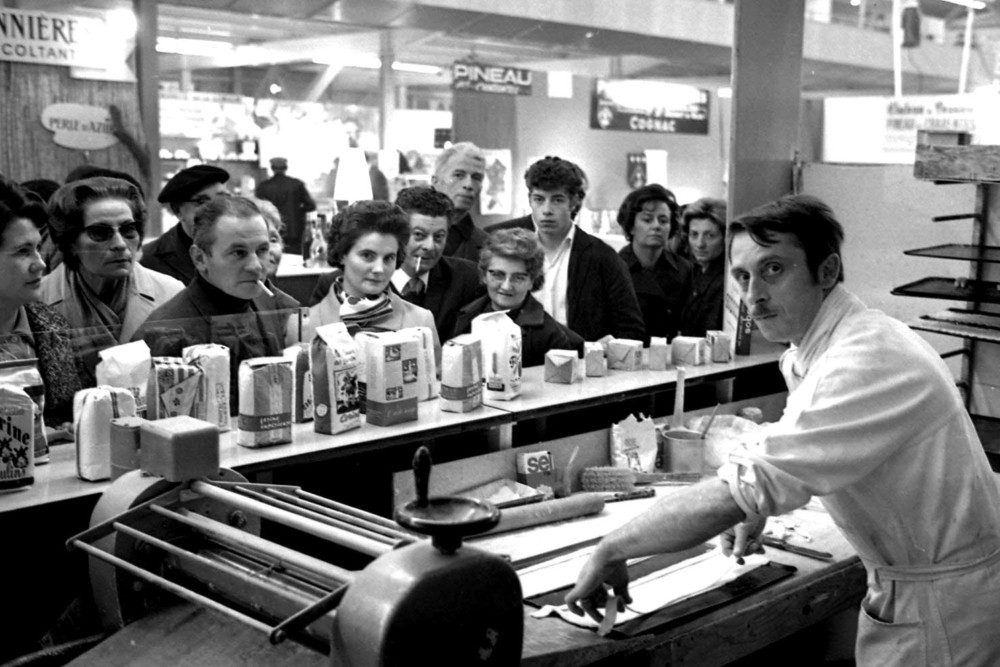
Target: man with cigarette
[226,302]
[875,427]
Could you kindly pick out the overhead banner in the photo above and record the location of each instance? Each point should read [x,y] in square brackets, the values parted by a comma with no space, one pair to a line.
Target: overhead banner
[481,78]
[52,39]
[649,106]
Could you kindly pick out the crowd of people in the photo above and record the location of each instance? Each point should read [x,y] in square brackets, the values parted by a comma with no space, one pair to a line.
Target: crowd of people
[91,283]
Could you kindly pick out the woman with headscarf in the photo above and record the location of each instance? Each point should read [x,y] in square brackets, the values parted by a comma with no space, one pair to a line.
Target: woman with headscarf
[28,328]
[512,265]
[104,293]
[366,243]
[662,279]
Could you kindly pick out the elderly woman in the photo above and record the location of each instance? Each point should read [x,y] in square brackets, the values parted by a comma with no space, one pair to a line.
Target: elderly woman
[28,328]
[662,279]
[511,265]
[705,221]
[366,244]
[100,288]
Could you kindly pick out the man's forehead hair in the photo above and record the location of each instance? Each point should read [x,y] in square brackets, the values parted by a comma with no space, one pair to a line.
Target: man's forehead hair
[459,150]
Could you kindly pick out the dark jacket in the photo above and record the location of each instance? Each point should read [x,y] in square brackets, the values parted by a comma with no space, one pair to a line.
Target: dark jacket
[661,290]
[451,284]
[202,313]
[60,369]
[600,299]
[292,199]
[464,239]
[539,332]
[703,309]
[170,254]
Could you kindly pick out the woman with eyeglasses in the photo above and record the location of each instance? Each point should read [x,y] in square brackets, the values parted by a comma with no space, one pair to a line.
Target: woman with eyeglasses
[511,265]
[28,328]
[98,225]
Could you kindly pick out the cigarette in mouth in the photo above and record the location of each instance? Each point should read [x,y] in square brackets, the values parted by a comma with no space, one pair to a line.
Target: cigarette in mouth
[264,287]
[417,269]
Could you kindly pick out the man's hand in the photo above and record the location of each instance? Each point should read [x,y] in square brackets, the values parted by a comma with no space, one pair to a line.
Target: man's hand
[590,595]
[743,539]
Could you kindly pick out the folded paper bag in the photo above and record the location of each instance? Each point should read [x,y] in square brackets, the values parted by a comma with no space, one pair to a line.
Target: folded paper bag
[624,354]
[659,353]
[561,366]
[595,363]
[720,343]
[688,351]
[462,374]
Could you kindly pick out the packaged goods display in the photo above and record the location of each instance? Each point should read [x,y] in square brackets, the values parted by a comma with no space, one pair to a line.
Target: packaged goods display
[462,374]
[688,351]
[561,366]
[659,353]
[624,354]
[174,388]
[594,361]
[391,363]
[501,344]
[333,358]
[427,383]
[126,366]
[17,433]
[93,410]
[212,402]
[302,390]
[720,344]
[265,400]
[24,373]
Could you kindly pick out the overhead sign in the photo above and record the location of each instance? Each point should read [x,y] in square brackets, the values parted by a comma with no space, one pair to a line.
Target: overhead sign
[53,39]
[481,78]
[633,105]
[79,126]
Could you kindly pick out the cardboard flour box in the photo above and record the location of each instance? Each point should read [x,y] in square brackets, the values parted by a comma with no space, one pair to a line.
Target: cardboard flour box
[212,403]
[265,401]
[17,424]
[391,363]
[333,361]
[174,387]
[501,341]
[462,374]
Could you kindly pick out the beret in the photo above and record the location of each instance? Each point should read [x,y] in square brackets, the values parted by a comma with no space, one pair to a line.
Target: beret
[279,163]
[188,182]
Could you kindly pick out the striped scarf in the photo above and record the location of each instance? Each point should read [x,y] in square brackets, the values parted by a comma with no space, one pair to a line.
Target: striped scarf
[361,313]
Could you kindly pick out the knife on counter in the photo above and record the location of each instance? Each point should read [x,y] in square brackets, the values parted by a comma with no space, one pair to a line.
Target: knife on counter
[771,541]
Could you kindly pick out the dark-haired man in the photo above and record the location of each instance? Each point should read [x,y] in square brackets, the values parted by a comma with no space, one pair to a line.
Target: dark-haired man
[875,427]
[183,194]
[225,302]
[587,285]
[427,278]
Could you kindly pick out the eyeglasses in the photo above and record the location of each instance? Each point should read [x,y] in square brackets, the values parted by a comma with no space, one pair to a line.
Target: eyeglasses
[500,277]
[102,233]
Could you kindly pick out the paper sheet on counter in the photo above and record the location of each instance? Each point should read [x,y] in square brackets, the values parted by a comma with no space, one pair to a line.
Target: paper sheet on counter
[652,592]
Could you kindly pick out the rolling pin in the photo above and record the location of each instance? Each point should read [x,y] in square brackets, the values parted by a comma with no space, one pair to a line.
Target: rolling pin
[548,511]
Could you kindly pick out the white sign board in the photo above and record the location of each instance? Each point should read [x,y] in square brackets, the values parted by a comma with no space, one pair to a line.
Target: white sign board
[54,39]
[79,126]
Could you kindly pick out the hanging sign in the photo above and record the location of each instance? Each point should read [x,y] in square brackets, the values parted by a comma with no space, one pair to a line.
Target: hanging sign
[53,39]
[79,126]
[649,106]
[481,78]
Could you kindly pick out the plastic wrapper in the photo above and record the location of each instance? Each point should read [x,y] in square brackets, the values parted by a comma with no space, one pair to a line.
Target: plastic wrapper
[93,410]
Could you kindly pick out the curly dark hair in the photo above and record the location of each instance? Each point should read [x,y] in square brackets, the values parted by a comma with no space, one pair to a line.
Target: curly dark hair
[425,201]
[635,200]
[515,244]
[554,173]
[16,203]
[366,217]
[68,204]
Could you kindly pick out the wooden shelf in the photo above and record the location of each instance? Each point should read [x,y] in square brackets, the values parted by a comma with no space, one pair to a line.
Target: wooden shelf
[964,252]
[980,291]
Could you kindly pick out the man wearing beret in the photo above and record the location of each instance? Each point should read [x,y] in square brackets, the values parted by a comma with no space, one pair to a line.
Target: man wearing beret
[291,198]
[184,193]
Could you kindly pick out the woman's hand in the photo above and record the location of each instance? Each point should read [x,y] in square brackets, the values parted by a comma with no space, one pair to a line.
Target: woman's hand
[590,594]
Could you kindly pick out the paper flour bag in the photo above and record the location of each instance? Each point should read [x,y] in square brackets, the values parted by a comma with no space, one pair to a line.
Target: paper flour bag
[174,388]
[333,359]
[302,388]
[127,366]
[462,374]
[24,373]
[265,402]
[17,423]
[427,384]
[501,341]
[93,410]
[212,402]
[392,378]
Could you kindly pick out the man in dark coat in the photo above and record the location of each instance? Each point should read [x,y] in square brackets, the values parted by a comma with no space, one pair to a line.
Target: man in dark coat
[587,286]
[458,173]
[291,198]
[225,302]
[426,278]
[183,194]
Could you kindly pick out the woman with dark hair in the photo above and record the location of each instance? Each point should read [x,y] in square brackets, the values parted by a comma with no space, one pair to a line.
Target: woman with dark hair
[28,328]
[705,221]
[366,244]
[511,265]
[100,288]
[662,279]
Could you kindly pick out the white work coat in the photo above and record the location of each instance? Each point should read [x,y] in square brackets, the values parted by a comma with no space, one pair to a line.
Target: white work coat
[875,427]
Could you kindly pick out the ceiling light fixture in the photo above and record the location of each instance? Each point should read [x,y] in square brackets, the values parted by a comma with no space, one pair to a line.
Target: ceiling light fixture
[373,62]
[192,47]
[971,4]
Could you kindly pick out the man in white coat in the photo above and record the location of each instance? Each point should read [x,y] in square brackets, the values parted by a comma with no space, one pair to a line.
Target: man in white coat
[875,428]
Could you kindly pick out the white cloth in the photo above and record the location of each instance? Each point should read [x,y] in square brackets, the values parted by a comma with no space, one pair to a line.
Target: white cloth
[552,294]
[875,427]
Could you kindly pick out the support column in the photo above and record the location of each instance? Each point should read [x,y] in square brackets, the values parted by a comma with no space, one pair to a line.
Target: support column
[147,82]
[387,87]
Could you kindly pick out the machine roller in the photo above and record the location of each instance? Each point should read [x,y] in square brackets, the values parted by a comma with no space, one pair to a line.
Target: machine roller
[206,541]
